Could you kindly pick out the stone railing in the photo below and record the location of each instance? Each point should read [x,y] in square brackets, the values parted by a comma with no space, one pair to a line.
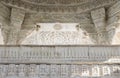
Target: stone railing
[63,54]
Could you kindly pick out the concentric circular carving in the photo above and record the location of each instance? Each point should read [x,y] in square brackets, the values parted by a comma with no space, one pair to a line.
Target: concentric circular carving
[56,38]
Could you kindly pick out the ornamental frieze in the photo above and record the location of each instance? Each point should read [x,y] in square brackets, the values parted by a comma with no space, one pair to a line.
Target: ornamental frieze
[57,6]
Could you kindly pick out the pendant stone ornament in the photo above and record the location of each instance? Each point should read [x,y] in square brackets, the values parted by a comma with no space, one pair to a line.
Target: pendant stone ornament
[57,26]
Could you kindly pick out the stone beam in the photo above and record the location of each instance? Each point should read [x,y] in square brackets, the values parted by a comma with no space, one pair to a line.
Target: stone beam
[17,17]
[113,23]
[99,19]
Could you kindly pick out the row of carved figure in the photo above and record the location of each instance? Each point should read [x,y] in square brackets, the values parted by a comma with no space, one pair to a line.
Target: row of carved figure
[68,71]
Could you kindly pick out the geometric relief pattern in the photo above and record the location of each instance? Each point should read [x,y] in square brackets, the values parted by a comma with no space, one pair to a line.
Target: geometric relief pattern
[57,38]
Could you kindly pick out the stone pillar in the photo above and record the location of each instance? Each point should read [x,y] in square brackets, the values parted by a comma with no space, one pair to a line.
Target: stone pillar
[99,19]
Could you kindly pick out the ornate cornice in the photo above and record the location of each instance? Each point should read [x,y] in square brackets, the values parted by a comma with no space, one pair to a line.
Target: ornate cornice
[57,1]
[75,18]
[63,6]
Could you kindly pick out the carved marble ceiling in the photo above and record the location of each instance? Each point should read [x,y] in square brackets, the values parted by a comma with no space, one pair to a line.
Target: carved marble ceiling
[98,18]
[57,34]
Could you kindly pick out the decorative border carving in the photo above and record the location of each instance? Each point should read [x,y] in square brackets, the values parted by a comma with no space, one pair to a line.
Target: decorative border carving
[55,8]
